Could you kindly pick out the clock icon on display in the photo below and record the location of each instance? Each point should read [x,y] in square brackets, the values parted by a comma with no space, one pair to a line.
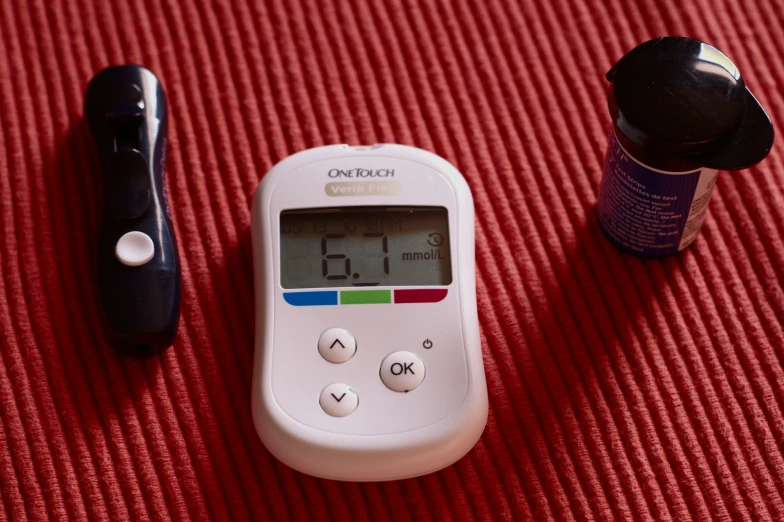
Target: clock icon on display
[435,239]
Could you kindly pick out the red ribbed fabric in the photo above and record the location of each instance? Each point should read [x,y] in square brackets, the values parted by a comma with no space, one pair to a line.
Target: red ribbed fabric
[619,388]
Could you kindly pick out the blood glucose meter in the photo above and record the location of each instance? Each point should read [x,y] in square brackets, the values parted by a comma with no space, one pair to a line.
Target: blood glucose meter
[368,363]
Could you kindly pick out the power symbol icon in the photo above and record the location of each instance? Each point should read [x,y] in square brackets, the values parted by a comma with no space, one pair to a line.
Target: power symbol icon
[428,344]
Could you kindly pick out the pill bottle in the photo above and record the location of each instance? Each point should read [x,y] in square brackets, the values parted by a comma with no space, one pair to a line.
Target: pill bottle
[681,112]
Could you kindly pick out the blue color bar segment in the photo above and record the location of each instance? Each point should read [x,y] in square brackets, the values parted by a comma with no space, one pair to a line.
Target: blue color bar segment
[311,298]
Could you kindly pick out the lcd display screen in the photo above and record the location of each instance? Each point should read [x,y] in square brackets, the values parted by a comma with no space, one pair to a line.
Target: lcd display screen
[365,246]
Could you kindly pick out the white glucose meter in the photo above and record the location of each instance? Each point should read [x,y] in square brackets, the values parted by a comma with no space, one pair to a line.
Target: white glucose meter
[368,362]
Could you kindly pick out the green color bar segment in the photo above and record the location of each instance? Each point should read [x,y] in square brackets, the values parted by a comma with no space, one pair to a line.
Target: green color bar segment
[365,297]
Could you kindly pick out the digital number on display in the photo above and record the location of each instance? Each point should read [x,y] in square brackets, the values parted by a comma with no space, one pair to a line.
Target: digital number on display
[365,246]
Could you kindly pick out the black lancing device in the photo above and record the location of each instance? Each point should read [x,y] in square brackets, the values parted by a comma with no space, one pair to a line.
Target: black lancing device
[138,266]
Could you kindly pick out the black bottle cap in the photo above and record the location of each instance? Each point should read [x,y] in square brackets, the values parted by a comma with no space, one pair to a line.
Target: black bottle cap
[679,97]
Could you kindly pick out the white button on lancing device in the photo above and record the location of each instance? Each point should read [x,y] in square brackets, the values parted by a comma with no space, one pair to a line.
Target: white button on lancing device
[337,345]
[338,400]
[134,248]
[368,253]
[402,371]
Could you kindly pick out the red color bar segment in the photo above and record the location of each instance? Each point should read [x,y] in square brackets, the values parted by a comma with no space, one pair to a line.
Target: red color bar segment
[430,295]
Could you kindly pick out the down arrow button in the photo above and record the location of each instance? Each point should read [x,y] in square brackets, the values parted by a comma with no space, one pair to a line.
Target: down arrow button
[338,400]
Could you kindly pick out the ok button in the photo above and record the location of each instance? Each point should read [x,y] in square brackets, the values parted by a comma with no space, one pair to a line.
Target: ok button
[402,371]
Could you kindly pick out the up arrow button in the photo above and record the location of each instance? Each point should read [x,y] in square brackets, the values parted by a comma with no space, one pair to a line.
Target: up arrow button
[337,345]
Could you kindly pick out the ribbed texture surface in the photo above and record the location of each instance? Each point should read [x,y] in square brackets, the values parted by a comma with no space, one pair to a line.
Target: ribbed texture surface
[619,388]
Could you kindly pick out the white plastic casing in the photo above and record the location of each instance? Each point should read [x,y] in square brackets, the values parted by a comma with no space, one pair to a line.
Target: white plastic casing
[390,435]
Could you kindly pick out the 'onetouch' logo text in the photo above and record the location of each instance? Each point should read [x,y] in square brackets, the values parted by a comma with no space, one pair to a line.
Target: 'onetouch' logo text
[361,173]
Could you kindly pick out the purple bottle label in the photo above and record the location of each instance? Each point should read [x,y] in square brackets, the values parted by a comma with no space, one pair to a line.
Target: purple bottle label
[648,211]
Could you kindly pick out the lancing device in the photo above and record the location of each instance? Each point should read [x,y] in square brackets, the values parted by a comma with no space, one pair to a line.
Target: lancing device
[138,266]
